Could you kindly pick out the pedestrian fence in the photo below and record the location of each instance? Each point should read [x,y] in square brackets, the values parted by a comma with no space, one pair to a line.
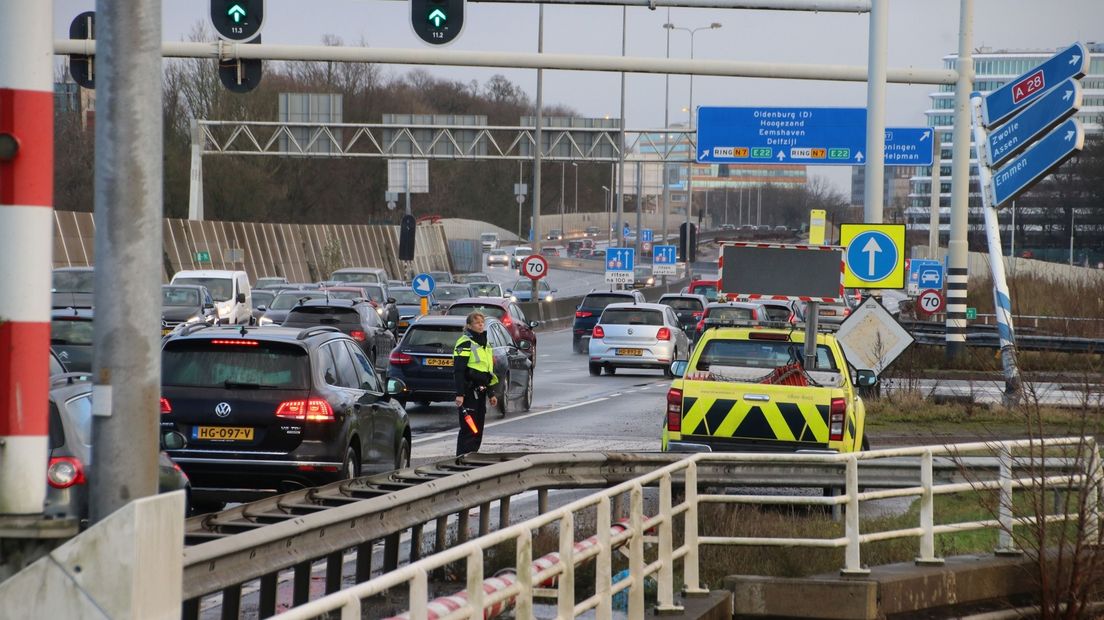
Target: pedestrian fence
[1025,465]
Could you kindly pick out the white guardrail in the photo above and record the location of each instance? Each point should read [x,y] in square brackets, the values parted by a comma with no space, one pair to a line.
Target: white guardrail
[1022,466]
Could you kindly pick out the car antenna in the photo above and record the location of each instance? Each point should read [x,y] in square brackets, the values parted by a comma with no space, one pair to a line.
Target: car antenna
[243,331]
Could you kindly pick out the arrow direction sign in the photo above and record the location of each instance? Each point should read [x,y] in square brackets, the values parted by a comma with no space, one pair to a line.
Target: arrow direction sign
[424,284]
[908,146]
[1038,118]
[237,12]
[1029,168]
[871,249]
[437,17]
[809,136]
[1001,104]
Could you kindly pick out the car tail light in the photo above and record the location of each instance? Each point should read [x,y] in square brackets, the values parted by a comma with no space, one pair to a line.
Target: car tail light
[582,314]
[64,472]
[698,314]
[837,412]
[310,410]
[847,312]
[506,320]
[674,410]
[701,325]
[598,332]
[166,406]
[663,334]
[399,358]
[235,342]
[768,336]
[358,335]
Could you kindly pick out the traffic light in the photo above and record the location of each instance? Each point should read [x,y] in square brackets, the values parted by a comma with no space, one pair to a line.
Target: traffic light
[688,248]
[80,65]
[241,75]
[407,230]
[437,22]
[237,20]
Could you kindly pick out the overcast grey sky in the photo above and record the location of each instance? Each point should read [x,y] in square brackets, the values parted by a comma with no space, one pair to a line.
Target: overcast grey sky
[921,32]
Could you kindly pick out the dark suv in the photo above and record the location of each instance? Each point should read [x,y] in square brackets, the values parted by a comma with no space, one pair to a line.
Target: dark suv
[355,317]
[586,315]
[271,409]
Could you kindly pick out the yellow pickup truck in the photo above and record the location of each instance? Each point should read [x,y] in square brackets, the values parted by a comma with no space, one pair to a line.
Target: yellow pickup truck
[746,389]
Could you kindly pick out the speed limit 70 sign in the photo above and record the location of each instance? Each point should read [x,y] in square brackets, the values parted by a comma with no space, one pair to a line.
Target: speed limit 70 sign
[534,267]
[930,301]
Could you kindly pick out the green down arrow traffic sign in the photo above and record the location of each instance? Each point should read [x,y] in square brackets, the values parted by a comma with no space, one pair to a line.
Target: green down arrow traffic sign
[437,17]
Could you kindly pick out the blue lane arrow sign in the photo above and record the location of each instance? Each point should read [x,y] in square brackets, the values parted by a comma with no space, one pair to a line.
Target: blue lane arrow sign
[908,146]
[423,284]
[1001,104]
[1037,119]
[1038,161]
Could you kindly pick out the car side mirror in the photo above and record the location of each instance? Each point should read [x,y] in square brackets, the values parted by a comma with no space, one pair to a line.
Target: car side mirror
[262,308]
[525,345]
[509,291]
[678,367]
[555,290]
[865,378]
[173,440]
[395,387]
[390,325]
[390,300]
[241,298]
[534,324]
[208,306]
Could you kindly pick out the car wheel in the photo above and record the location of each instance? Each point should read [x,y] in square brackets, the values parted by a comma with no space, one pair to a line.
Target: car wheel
[611,370]
[350,467]
[595,370]
[504,400]
[527,402]
[402,457]
[578,346]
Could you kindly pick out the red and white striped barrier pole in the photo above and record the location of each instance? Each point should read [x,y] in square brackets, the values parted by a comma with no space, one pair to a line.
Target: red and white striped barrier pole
[26,237]
[445,605]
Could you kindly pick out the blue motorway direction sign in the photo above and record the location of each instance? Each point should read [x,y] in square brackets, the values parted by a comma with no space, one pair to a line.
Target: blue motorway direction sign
[908,146]
[926,273]
[1035,120]
[809,136]
[1002,103]
[664,260]
[423,284]
[872,256]
[646,235]
[1025,170]
[620,259]
[625,231]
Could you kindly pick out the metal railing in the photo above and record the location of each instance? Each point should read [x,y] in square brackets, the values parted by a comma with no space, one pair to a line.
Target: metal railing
[1079,467]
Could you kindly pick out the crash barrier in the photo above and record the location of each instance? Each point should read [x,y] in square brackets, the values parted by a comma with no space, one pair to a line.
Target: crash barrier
[1046,465]
[1029,323]
[561,312]
[298,252]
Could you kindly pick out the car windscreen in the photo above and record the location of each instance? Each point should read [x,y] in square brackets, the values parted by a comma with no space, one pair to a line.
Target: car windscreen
[444,293]
[631,316]
[767,354]
[683,303]
[375,293]
[709,290]
[356,276]
[432,337]
[525,284]
[601,301]
[729,314]
[262,298]
[486,289]
[287,301]
[250,364]
[74,282]
[321,315]
[71,331]
[221,289]
[346,295]
[179,296]
[777,313]
[406,298]
[466,309]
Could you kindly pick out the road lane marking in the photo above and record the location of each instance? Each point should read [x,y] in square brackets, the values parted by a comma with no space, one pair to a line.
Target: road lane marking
[437,436]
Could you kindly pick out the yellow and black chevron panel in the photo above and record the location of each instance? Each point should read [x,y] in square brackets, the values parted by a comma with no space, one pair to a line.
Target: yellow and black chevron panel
[789,422]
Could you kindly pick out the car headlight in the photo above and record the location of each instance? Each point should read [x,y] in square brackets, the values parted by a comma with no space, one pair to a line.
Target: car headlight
[548,298]
[513,298]
[379,311]
[264,320]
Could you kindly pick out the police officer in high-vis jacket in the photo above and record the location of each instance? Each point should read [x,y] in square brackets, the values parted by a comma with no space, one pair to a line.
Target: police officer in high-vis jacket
[473,365]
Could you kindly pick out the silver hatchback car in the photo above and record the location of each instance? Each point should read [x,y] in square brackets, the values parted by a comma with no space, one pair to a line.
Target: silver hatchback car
[637,335]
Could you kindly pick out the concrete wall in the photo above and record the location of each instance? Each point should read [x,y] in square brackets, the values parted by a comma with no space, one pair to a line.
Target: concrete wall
[460,228]
[295,251]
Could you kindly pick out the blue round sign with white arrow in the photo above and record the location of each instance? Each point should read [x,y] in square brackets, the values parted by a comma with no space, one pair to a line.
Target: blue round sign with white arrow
[871,256]
[423,284]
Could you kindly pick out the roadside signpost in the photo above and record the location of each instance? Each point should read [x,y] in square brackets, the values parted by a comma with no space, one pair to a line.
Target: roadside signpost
[808,136]
[534,267]
[1027,169]
[646,235]
[871,338]
[619,265]
[203,256]
[424,285]
[1031,124]
[1001,104]
[664,260]
[924,273]
[875,255]
[930,301]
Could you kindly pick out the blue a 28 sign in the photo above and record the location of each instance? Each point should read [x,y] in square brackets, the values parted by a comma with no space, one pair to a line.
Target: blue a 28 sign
[1003,103]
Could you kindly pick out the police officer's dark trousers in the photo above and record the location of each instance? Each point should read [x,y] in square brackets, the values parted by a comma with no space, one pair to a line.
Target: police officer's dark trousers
[472,413]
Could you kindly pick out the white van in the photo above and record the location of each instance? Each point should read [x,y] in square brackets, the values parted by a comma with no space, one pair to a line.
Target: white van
[489,240]
[224,285]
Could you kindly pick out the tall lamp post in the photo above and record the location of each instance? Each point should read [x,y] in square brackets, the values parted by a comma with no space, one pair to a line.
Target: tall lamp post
[690,164]
[575,167]
[609,216]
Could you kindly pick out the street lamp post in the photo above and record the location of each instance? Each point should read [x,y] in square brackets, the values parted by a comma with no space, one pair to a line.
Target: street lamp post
[690,164]
[575,166]
[563,173]
[609,213]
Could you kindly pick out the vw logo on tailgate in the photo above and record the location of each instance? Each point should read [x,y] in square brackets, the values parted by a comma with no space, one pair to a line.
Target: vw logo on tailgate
[222,410]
